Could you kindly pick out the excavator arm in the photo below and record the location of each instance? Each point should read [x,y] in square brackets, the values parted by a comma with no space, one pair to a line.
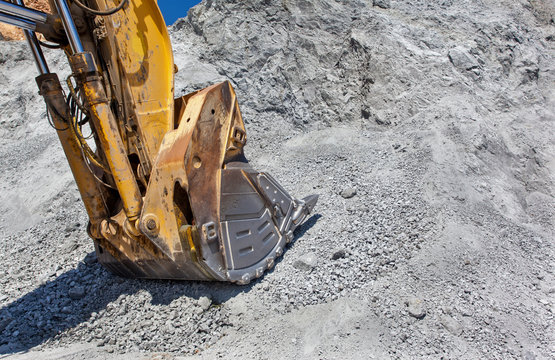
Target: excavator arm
[168,191]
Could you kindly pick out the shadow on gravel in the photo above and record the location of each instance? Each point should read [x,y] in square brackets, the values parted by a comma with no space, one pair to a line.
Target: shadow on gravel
[307,225]
[75,295]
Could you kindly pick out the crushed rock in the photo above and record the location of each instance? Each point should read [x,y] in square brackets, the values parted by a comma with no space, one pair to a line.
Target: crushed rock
[448,164]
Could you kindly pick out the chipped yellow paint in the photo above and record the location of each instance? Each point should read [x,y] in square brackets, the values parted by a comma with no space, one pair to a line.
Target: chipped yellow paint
[142,47]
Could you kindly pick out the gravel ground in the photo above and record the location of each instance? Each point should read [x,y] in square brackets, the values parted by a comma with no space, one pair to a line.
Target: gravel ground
[427,128]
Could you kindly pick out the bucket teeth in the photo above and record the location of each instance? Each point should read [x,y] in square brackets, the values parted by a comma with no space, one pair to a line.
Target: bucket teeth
[303,208]
[255,235]
[310,202]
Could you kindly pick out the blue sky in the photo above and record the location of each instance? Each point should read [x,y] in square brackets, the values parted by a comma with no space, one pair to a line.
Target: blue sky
[175,9]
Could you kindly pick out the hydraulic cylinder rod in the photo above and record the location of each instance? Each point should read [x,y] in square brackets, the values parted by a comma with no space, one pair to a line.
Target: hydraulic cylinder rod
[17,21]
[20,16]
[69,26]
[33,42]
[22,12]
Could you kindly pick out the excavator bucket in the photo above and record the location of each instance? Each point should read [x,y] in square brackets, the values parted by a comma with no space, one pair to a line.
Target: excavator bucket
[207,213]
[168,190]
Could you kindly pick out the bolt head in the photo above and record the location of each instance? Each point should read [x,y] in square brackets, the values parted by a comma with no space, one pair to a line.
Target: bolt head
[151,224]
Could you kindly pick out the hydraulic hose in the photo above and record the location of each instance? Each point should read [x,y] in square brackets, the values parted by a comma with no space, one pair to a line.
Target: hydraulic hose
[99,12]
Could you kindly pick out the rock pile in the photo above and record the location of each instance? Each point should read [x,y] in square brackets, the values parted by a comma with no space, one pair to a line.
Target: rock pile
[426,128]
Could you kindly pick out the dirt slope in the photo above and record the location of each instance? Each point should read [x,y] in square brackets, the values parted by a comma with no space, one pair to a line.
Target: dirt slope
[427,128]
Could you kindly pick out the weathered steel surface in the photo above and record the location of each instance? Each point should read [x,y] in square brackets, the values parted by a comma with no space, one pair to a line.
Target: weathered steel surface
[91,193]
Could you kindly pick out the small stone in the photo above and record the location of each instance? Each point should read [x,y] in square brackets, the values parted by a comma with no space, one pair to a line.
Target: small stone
[349,193]
[384,4]
[90,259]
[6,348]
[452,325]
[204,328]
[306,262]
[527,355]
[70,246]
[76,293]
[365,113]
[5,322]
[340,287]
[339,254]
[381,121]
[416,308]
[466,313]
[462,59]
[204,303]
[66,310]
